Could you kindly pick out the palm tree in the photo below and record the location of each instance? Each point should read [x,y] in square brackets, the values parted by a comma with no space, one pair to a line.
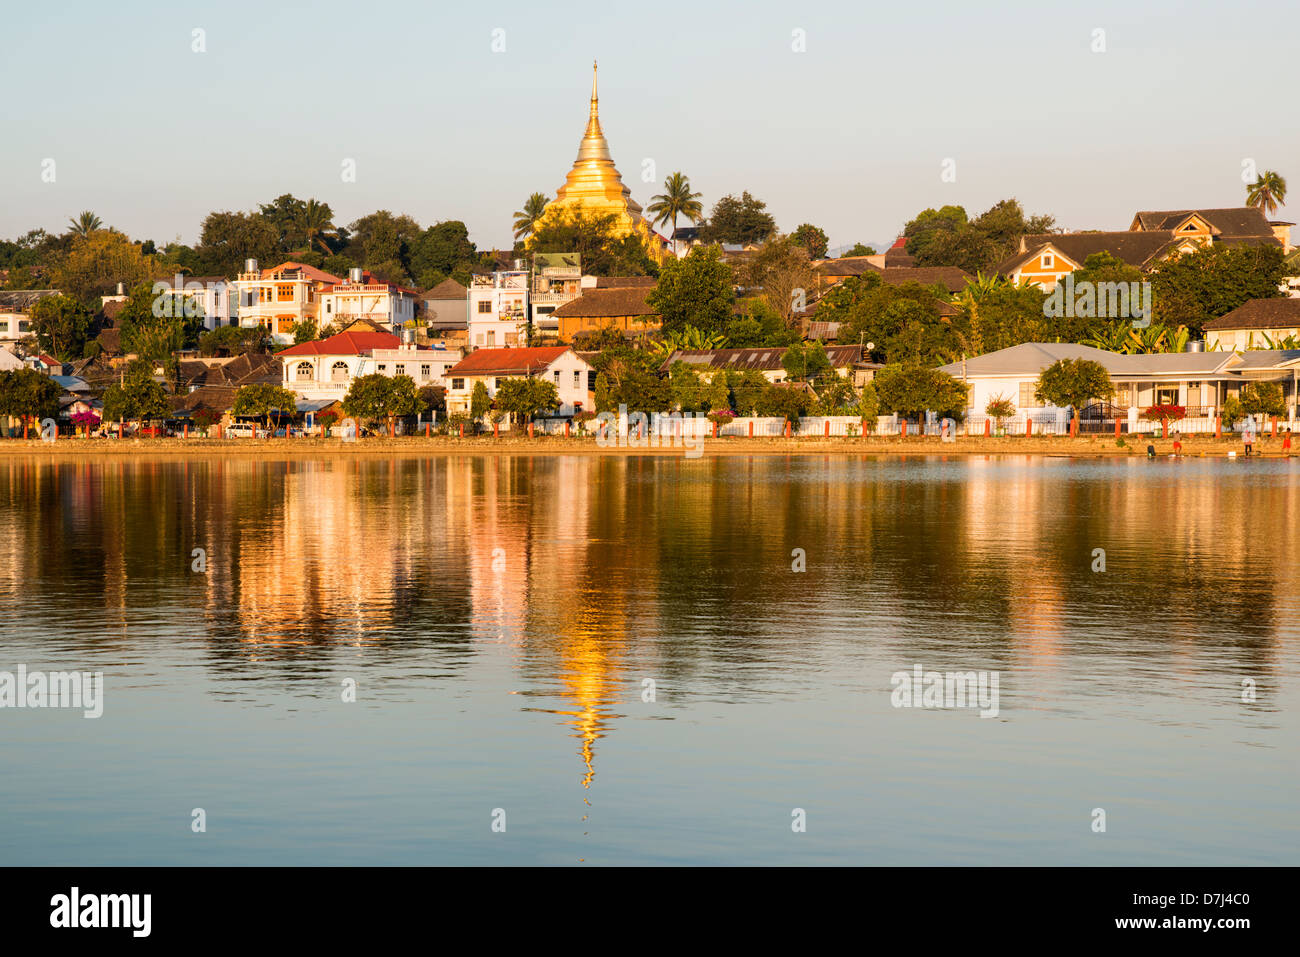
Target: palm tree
[317,224]
[1267,192]
[526,218]
[676,200]
[86,223]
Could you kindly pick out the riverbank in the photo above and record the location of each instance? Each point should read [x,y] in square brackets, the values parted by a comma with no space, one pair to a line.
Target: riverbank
[199,448]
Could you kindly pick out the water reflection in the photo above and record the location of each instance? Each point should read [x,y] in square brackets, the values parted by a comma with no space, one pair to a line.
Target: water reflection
[569,580]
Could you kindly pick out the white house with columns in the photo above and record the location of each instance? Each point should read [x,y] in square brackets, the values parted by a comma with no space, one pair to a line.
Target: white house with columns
[574,378]
[325,368]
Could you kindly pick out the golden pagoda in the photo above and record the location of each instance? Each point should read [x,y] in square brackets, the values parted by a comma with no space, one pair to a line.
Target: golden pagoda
[595,187]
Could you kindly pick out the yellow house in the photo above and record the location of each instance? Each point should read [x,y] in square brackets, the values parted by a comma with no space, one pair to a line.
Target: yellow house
[1247,326]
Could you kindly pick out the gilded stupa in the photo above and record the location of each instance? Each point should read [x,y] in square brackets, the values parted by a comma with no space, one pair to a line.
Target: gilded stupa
[595,187]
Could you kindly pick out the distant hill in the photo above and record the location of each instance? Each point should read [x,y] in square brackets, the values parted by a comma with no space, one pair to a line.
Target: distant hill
[836,251]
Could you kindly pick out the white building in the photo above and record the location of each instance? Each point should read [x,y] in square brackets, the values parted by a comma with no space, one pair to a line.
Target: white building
[573,376]
[15,312]
[498,309]
[365,297]
[279,298]
[214,295]
[325,368]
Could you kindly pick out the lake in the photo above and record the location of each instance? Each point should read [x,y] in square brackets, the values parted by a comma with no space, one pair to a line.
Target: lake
[653,660]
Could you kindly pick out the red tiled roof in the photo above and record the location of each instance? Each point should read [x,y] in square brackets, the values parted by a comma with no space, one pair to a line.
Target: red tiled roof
[344,344]
[309,272]
[524,360]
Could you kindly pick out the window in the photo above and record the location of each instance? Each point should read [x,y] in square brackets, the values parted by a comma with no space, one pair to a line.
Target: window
[557,377]
[303,373]
[424,372]
[1027,400]
[492,337]
[284,293]
[311,294]
[399,369]
[284,324]
[383,367]
[577,379]
[458,385]
[264,294]
[1049,261]
[1124,396]
[329,306]
[446,369]
[591,381]
[496,383]
[485,306]
[339,372]
[512,338]
[478,339]
[24,325]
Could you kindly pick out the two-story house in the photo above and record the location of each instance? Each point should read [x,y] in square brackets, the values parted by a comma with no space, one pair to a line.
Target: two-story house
[325,368]
[573,376]
[498,309]
[281,297]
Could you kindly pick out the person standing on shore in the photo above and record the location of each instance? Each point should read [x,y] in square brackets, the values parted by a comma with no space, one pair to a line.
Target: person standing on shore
[1248,435]
[1286,443]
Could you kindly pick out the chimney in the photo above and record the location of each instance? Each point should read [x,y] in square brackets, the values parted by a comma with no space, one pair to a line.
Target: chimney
[250,265]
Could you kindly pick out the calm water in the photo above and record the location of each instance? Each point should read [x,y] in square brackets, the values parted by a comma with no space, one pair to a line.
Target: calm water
[500,617]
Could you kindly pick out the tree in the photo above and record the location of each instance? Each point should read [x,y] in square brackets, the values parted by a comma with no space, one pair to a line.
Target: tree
[305,331]
[316,222]
[61,325]
[1268,190]
[27,394]
[262,400]
[1194,288]
[234,340]
[378,396]
[595,238]
[227,239]
[434,398]
[480,403]
[526,219]
[1000,408]
[1164,414]
[785,400]
[285,214]
[812,239]
[85,224]
[382,243]
[1073,382]
[137,397]
[695,290]
[94,264]
[154,325]
[1262,398]
[911,390]
[784,272]
[204,418]
[744,220]
[945,237]
[676,200]
[805,361]
[869,405]
[526,397]
[443,250]
[859,250]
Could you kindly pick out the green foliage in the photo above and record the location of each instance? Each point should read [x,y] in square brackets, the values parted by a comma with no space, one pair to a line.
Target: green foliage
[304,331]
[440,251]
[137,397]
[233,340]
[1232,411]
[61,325]
[742,221]
[377,396]
[759,324]
[902,322]
[786,400]
[261,399]
[526,218]
[227,239]
[1194,288]
[859,250]
[155,324]
[1000,407]
[911,390]
[525,397]
[812,239]
[805,361]
[434,398]
[694,291]
[1262,398]
[1073,382]
[28,394]
[747,389]
[869,405]
[944,237]
[593,236]
[479,401]
[676,200]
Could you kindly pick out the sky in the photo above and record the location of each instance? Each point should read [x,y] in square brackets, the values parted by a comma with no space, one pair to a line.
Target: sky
[842,114]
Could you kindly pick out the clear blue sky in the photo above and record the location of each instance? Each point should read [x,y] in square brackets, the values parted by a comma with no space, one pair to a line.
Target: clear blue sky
[849,135]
